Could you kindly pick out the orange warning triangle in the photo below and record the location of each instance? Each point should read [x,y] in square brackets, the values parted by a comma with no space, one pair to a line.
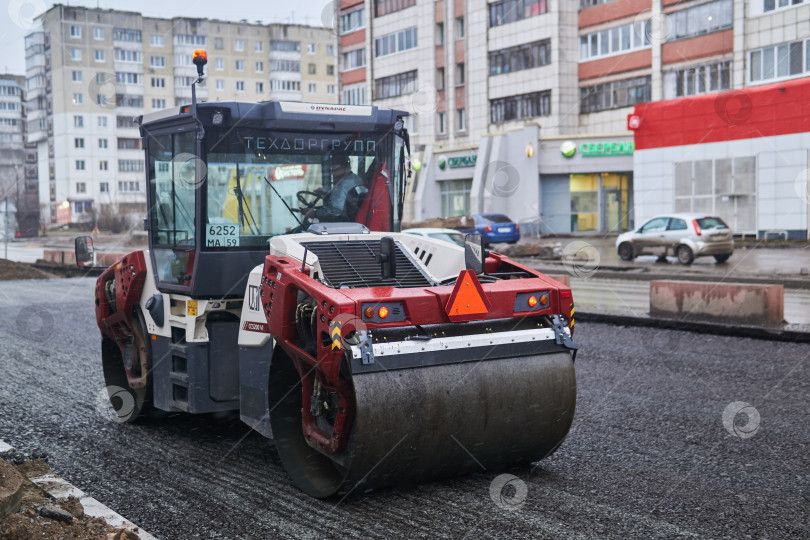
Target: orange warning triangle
[467,300]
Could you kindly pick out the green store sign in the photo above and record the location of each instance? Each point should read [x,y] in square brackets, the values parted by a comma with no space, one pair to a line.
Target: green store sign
[457,162]
[607,149]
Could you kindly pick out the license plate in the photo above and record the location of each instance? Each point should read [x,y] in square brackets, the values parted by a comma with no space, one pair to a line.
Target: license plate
[504,229]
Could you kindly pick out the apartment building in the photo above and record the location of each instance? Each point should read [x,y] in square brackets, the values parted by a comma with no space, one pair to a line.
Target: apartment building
[521,106]
[18,169]
[90,72]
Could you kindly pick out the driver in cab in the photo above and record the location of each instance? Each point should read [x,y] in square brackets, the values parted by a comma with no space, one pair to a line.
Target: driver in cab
[343,181]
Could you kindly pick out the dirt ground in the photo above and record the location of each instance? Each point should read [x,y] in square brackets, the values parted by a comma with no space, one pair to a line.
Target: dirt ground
[13,270]
[42,516]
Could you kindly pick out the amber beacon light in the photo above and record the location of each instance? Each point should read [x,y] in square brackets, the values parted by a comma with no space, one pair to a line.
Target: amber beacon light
[200,58]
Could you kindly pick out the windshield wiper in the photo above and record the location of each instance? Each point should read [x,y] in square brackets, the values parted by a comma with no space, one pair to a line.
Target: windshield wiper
[240,199]
[287,206]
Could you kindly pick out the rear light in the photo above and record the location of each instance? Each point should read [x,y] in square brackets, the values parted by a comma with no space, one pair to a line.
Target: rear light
[488,228]
[696,226]
[383,313]
[369,313]
[532,301]
[543,299]
[565,293]
[517,227]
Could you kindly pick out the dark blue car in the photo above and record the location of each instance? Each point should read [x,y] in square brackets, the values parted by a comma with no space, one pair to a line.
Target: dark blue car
[495,228]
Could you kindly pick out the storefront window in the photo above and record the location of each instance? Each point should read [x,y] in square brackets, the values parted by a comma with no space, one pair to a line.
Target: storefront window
[584,202]
[455,197]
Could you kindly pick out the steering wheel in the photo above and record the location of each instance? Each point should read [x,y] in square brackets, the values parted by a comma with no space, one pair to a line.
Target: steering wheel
[306,205]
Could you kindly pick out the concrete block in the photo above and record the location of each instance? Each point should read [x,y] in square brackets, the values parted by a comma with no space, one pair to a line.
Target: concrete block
[731,303]
[10,489]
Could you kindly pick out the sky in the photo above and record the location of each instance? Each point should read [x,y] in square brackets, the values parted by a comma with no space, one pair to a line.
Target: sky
[15,19]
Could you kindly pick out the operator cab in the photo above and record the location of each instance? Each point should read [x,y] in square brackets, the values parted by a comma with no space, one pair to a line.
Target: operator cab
[225,177]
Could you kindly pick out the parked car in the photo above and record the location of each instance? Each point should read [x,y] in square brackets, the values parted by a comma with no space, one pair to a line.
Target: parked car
[684,235]
[448,235]
[495,228]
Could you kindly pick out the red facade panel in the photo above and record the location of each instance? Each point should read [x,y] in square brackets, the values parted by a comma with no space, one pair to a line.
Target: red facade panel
[441,102]
[354,76]
[438,11]
[440,56]
[667,3]
[615,64]
[459,50]
[698,47]
[461,97]
[347,40]
[760,111]
[349,3]
[612,11]
[458,8]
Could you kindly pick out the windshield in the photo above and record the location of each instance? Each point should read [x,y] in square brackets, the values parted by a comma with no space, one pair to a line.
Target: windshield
[453,238]
[263,183]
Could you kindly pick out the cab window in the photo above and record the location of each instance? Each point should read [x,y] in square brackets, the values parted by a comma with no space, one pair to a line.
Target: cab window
[676,224]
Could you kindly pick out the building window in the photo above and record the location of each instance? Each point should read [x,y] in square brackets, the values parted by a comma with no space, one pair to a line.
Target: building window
[395,85]
[330,69]
[439,33]
[220,84]
[158,82]
[311,69]
[125,122]
[442,123]
[619,39]
[702,19]
[614,95]
[158,103]
[219,43]
[509,11]
[527,56]
[461,120]
[384,7]
[76,54]
[395,42]
[259,87]
[157,62]
[125,34]
[99,55]
[353,59]
[285,86]
[354,20]
[285,45]
[240,86]
[779,61]
[102,122]
[156,40]
[310,48]
[79,164]
[78,121]
[770,5]
[697,80]
[238,45]
[98,33]
[258,46]
[455,197]
[330,89]
[78,142]
[460,27]
[78,99]
[460,74]
[311,88]
[291,66]
[330,50]
[75,31]
[520,107]
[101,100]
[104,187]
[129,186]
[126,55]
[259,67]
[354,95]
[240,65]
[129,144]
[103,165]
[128,78]
[77,76]
[81,187]
[219,64]
[440,78]
[130,165]
[102,143]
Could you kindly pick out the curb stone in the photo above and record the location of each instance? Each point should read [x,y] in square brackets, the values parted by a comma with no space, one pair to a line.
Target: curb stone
[60,489]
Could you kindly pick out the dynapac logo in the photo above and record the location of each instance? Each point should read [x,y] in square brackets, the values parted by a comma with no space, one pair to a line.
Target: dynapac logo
[253,298]
[327,108]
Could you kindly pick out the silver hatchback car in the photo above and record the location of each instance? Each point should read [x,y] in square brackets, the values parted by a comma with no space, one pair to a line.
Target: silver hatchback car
[684,235]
